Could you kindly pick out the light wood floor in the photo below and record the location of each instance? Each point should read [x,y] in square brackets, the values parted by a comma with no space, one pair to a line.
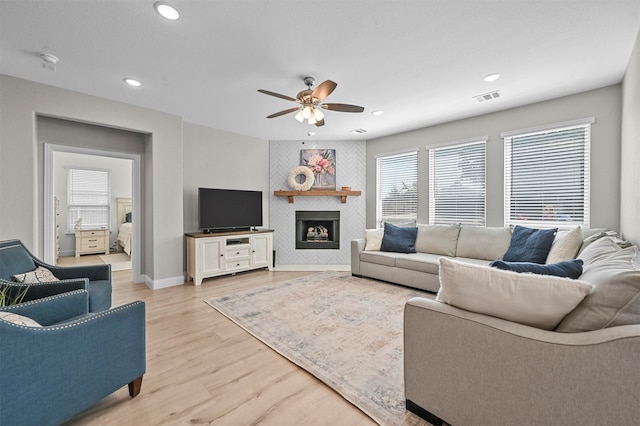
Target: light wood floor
[204,369]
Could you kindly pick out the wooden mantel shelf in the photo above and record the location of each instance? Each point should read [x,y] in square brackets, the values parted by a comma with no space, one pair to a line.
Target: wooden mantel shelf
[342,194]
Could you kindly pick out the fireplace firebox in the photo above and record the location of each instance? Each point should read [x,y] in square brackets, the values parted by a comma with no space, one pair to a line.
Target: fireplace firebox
[317,229]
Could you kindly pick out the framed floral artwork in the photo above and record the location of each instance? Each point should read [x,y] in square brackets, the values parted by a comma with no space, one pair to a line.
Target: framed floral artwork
[322,163]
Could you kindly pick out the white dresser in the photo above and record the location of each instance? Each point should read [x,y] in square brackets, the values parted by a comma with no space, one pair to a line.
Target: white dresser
[91,241]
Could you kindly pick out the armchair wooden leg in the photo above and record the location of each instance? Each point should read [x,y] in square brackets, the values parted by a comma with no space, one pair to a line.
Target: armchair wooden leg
[134,387]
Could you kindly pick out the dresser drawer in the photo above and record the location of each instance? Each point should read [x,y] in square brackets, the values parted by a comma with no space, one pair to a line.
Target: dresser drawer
[232,265]
[238,252]
[90,243]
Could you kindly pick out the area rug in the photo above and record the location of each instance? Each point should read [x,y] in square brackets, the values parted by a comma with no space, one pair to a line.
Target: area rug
[118,261]
[346,331]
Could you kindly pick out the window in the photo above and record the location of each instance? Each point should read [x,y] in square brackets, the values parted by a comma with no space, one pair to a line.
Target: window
[88,196]
[397,180]
[457,184]
[547,176]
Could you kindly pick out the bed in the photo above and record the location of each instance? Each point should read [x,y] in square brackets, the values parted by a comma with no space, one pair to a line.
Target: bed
[125,227]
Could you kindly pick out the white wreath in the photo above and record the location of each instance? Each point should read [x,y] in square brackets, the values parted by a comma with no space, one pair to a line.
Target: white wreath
[308,181]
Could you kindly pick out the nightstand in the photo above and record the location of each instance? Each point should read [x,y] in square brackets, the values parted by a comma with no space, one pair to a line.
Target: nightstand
[90,241]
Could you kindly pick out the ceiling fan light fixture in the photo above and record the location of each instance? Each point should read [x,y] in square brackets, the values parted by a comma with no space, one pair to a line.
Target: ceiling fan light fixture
[312,120]
[306,112]
[318,114]
[299,116]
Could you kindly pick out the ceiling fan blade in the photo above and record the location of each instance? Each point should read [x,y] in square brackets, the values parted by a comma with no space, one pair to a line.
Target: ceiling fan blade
[320,123]
[277,95]
[286,111]
[324,90]
[343,107]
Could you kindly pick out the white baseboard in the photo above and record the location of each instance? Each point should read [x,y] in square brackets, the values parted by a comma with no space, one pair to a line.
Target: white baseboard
[312,268]
[163,283]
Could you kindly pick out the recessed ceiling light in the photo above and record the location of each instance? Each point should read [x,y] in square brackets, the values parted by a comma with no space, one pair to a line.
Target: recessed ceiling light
[311,133]
[377,112]
[491,77]
[167,11]
[358,131]
[132,82]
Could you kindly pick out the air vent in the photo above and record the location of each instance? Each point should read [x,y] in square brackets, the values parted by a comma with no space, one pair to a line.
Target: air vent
[487,96]
[359,131]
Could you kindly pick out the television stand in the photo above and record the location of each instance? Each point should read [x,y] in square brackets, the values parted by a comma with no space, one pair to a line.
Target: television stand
[227,252]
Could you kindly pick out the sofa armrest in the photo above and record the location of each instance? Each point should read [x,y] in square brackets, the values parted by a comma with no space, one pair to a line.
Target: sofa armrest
[40,290]
[357,246]
[469,368]
[53,309]
[92,272]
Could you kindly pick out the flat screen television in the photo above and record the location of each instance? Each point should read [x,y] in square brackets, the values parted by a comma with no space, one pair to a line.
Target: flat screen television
[229,209]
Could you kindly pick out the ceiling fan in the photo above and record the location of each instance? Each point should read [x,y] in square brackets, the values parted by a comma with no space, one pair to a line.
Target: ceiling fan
[311,101]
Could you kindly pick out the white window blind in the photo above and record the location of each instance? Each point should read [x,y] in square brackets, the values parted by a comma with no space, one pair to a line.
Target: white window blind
[397,191]
[547,177]
[88,195]
[457,184]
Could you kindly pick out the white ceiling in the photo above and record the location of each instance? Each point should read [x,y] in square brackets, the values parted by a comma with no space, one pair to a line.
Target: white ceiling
[420,61]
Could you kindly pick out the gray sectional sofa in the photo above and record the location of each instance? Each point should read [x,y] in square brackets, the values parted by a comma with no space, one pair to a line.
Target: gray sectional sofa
[466,367]
[475,244]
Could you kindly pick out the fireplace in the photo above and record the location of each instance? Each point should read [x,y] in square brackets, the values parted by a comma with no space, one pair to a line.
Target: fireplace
[317,229]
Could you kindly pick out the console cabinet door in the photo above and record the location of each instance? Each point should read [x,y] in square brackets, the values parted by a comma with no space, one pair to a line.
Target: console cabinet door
[211,251]
[261,250]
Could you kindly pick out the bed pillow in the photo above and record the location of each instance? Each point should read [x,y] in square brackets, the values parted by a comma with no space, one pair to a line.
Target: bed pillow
[566,269]
[566,245]
[536,300]
[38,275]
[373,239]
[529,244]
[399,239]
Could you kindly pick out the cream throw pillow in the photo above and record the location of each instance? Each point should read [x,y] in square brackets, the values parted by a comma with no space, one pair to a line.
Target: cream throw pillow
[373,239]
[566,245]
[18,319]
[540,301]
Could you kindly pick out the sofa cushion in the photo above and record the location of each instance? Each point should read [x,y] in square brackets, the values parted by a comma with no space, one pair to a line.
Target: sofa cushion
[421,262]
[615,300]
[99,295]
[479,242]
[378,257]
[373,238]
[437,239]
[529,244]
[536,300]
[566,245]
[567,268]
[399,239]
[14,259]
[39,275]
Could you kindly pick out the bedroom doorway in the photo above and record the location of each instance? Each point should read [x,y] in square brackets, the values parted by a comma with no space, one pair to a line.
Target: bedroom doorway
[127,199]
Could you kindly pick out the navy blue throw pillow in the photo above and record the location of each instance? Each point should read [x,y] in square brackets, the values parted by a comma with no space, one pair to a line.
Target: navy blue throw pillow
[399,239]
[529,245]
[567,269]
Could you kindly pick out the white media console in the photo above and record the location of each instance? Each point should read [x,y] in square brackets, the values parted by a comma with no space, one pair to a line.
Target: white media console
[211,255]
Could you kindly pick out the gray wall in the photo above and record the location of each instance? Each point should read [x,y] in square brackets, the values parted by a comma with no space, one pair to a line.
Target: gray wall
[603,104]
[22,159]
[630,167]
[218,159]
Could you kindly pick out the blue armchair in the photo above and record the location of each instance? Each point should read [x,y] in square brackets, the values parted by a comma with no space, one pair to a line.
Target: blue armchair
[48,374]
[16,259]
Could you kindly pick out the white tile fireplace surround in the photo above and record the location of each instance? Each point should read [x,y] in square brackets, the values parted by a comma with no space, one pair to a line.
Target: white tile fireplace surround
[350,166]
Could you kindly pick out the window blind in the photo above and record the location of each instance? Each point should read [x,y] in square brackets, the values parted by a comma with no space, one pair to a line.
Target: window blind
[397,188]
[547,177]
[457,184]
[88,195]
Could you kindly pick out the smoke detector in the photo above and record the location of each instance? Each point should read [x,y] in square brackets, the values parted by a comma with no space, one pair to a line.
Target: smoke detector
[49,61]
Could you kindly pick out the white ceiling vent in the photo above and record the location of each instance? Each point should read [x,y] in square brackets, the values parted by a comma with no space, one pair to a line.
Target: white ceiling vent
[358,131]
[487,96]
